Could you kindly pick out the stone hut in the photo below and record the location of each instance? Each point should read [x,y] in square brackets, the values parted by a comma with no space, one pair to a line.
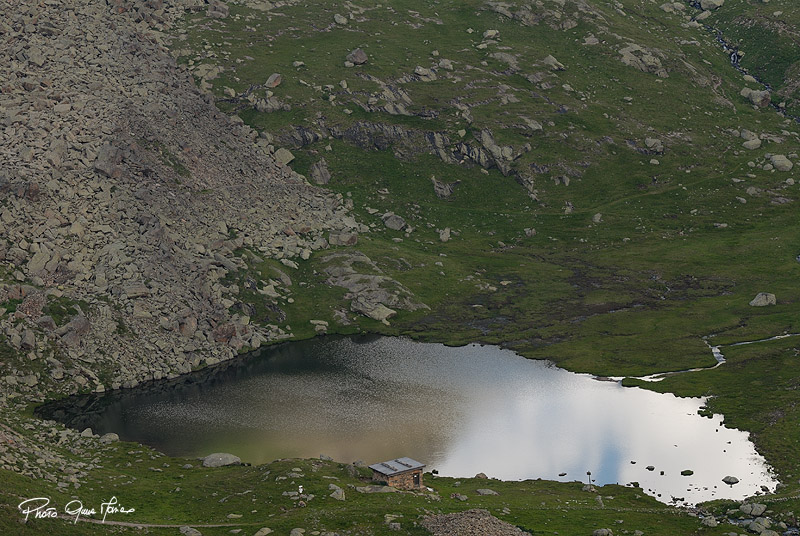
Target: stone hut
[402,473]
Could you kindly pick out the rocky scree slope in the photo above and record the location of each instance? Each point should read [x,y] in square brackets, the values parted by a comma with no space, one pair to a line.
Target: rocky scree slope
[123,193]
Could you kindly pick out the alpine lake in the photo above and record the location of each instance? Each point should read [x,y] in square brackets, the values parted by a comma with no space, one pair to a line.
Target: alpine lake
[460,410]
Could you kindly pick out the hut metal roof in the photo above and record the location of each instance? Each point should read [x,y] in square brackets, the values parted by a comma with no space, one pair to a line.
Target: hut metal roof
[395,467]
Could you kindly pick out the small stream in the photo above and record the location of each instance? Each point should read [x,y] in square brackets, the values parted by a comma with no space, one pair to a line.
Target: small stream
[735,59]
[715,351]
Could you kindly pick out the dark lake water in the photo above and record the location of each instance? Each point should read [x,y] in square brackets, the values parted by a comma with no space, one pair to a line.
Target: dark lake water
[460,410]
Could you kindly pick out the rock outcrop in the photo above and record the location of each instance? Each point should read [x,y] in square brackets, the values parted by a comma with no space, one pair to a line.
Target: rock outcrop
[372,293]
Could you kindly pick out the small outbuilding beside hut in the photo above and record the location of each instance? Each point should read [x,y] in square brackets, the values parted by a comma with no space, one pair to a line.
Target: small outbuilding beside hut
[402,473]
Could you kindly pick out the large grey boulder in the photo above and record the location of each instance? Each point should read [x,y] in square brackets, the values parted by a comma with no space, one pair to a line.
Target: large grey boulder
[654,144]
[781,163]
[221,459]
[763,299]
[283,156]
[28,341]
[753,509]
[711,4]
[748,135]
[274,80]
[108,161]
[393,221]
[553,63]
[337,492]
[709,521]
[752,144]
[730,480]
[357,57]
[110,437]
[442,189]
[38,262]
[757,98]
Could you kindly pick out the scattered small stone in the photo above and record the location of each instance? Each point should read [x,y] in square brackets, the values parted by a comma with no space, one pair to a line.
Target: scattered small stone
[476,521]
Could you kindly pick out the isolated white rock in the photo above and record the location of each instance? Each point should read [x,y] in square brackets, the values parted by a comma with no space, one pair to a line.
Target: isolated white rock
[763,299]
[221,459]
[553,63]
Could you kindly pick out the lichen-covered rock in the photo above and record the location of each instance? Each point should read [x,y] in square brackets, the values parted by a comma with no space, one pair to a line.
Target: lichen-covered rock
[763,299]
